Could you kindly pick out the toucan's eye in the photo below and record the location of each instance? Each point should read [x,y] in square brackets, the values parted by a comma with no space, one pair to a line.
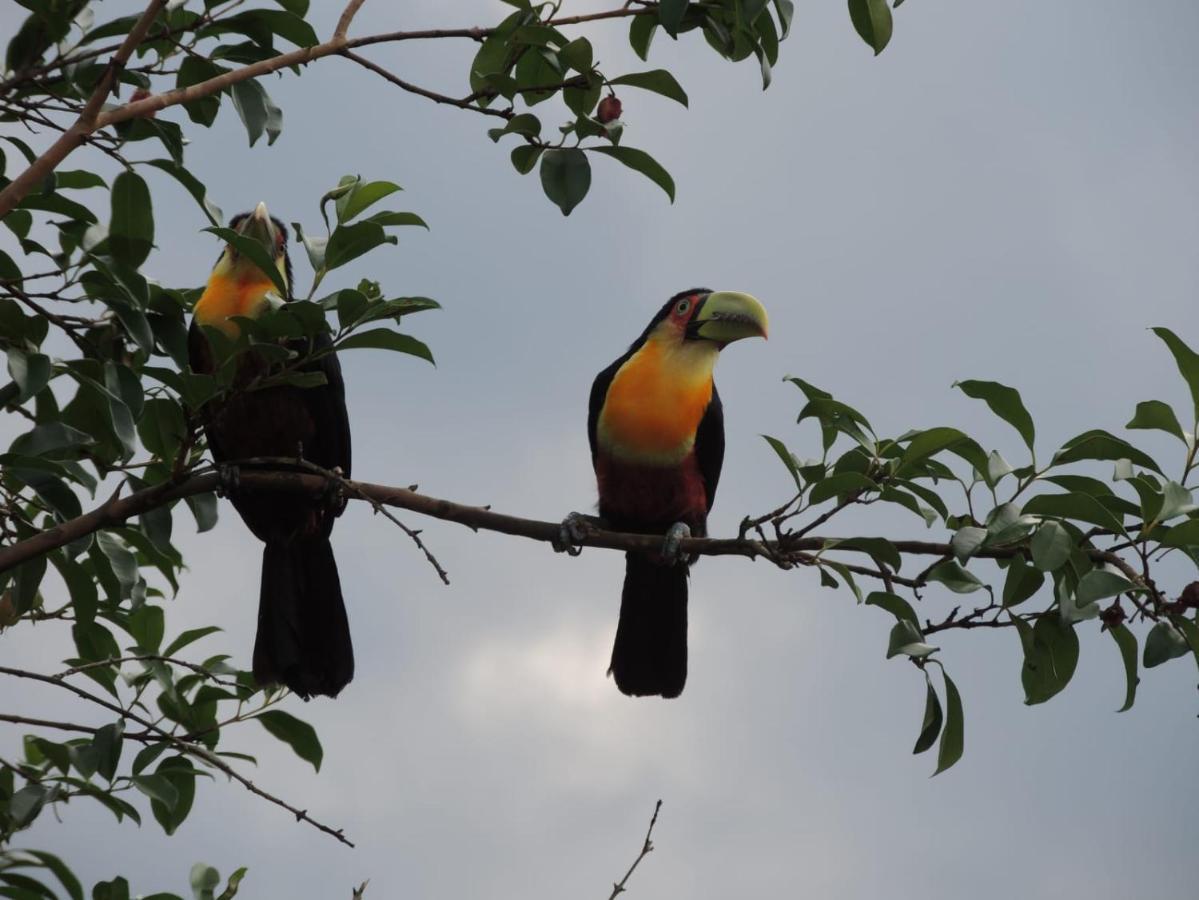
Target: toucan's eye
[682,306]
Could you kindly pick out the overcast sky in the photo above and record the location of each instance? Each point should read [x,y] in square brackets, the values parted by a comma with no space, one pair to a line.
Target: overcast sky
[1009,192]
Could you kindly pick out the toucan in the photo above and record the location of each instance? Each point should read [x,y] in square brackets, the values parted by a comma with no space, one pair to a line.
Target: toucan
[656,429]
[303,638]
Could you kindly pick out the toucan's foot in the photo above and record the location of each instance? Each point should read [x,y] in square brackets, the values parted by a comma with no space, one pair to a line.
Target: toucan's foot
[575,528]
[228,479]
[334,494]
[674,537]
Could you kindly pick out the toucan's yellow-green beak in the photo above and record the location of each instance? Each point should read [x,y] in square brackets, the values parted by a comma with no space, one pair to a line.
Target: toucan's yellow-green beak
[258,225]
[727,316]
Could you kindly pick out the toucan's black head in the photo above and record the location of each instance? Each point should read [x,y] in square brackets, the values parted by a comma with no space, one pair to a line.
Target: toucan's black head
[261,226]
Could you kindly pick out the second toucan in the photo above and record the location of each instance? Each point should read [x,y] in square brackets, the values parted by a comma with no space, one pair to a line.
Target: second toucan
[656,429]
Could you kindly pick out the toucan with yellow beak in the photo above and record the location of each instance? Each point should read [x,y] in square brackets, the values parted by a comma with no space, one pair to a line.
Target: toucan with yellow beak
[657,445]
[303,638]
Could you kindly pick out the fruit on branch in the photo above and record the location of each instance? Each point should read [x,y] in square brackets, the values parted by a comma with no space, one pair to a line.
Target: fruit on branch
[609,109]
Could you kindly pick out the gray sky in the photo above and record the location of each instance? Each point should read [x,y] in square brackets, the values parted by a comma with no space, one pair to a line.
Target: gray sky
[1008,192]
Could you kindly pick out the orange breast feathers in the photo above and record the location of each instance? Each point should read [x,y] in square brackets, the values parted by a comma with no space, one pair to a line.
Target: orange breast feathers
[656,401]
[233,295]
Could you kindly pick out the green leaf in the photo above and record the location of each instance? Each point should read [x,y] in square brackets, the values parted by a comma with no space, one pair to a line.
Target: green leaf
[297,734]
[107,744]
[525,156]
[880,549]
[348,242]
[929,443]
[952,738]
[1126,641]
[641,34]
[204,881]
[670,14]
[786,12]
[525,124]
[872,21]
[385,339]
[640,161]
[577,55]
[64,875]
[565,177]
[1099,584]
[931,726]
[657,80]
[785,455]
[162,427]
[954,577]
[131,228]
[257,111]
[1050,656]
[1023,580]
[1153,414]
[193,186]
[1005,402]
[1098,444]
[967,541]
[181,775]
[233,884]
[1163,643]
[363,196]
[1187,361]
[204,508]
[1075,506]
[895,605]
[30,371]
[840,485]
[256,253]
[907,639]
[157,787]
[1176,501]
[1051,546]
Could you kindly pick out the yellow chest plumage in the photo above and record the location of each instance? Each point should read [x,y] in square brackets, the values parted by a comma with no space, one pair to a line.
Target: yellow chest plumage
[243,294]
[656,401]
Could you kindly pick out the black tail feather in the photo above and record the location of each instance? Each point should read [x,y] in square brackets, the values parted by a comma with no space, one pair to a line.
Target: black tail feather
[303,634]
[649,656]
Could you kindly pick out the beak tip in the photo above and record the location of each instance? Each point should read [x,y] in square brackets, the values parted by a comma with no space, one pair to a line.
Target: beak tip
[260,211]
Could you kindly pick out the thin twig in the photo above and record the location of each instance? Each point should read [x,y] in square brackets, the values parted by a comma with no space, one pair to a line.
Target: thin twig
[425,92]
[646,849]
[118,660]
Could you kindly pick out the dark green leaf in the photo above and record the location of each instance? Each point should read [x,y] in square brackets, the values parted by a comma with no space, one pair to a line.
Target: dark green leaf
[641,34]
[657,80]
[1051,546]
[954,577]
[257,111]
[297,734]
[840,485]
[385,339]
[639,161]
[363,196]
[1099,584]
[952,738]
[179,773]
[670,14]
[907,639]
[565,177]
[967,541]
[1023,580]
[1163,643]
[1079,507]
[64,875]
[131,229]
[784,454]
[872,21]
[204,508]
[895,605]
[348,242]
[157,787]
[1153,414]
[1004,401]
[1098,444]
[1187,360]
[1126,641]
[256,253]
[931,726]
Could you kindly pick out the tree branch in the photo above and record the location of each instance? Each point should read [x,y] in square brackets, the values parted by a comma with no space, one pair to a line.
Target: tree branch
[273,475]
[646,849]
[91,120]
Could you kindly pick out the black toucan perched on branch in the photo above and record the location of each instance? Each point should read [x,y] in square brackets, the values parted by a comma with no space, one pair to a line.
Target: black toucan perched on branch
[657,444]
[303,636]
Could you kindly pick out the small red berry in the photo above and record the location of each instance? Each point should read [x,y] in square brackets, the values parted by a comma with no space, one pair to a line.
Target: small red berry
[609,109]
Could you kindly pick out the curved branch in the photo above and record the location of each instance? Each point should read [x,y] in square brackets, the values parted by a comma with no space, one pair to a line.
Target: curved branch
[91,120]
[785,552]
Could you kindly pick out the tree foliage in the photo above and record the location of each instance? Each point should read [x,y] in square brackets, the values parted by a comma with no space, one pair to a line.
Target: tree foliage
[101,390]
